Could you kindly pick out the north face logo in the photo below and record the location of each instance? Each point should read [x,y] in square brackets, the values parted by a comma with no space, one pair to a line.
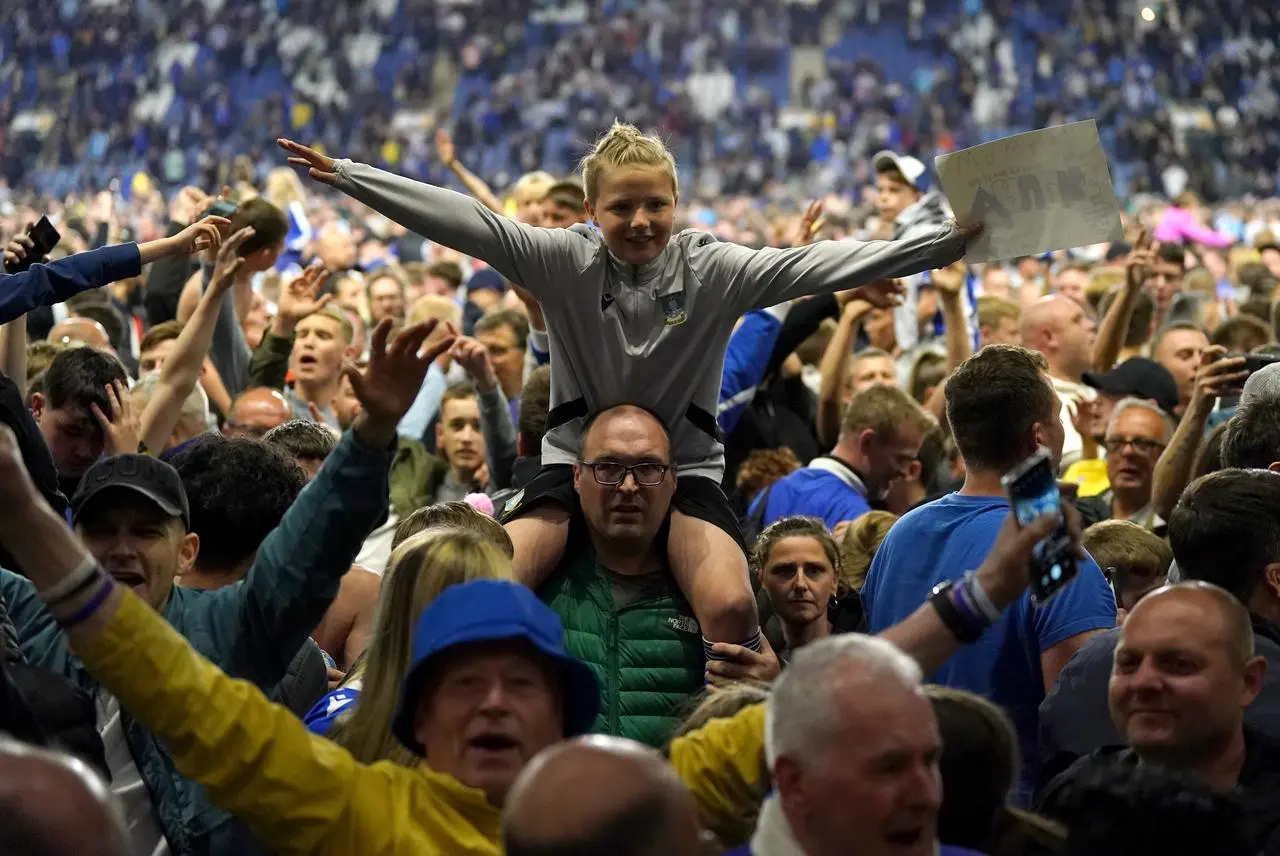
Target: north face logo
[684,624]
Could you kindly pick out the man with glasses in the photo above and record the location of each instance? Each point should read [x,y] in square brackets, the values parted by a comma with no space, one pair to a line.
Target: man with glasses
[1138,433]
[622,610]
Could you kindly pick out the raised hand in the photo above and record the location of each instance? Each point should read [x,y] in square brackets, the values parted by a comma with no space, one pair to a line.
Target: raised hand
[229,260]
[318,166]
[1137,267]
[390,382]
[120,428]
[474,359]
[301,297]
[16,251]
[810,225]
[200,236]
[188,204]
[1218,374]
[882,294]
[949,281]
[447,152]
[1005,573]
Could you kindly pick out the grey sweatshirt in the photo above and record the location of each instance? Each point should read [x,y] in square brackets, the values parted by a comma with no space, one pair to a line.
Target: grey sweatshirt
[651,335]
[229,351]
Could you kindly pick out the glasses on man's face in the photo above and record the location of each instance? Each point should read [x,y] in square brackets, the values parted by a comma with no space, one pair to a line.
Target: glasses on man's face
[1115,445]
[612,473]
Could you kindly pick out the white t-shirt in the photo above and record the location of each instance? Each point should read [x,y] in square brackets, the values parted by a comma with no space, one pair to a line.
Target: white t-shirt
[1071,394]
[126,781]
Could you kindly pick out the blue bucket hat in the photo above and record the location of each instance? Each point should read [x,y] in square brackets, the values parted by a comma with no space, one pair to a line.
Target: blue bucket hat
[488,611]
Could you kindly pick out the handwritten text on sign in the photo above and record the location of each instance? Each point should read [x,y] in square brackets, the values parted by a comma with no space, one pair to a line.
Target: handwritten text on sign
[1035,192]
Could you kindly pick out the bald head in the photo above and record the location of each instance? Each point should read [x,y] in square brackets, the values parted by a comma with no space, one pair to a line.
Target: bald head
[53,805]
[256,411]
[626,802]
[1063,331]
[1224,618]
[84,331]
[624,419]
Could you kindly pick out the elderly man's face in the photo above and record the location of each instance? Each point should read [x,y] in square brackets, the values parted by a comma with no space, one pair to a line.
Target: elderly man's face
[490,707]
[1134,444]
[625,480]
[874,789]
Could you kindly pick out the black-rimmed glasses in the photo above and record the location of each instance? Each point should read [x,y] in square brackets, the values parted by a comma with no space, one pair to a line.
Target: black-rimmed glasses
[612,473]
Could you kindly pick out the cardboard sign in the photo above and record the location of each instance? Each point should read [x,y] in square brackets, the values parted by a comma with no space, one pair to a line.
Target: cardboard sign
[1034,192]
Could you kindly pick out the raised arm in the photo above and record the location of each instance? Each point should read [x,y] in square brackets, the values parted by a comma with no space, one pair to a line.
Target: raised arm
[541,260]
[298,793]
[181,370]
[299,567]
[834,367]
[1216,375]
[472,182]
[499,434]
[755,279]
[1115,324]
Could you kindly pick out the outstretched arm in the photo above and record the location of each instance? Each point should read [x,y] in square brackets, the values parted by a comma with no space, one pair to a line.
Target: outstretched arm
[755,279]
[541,260]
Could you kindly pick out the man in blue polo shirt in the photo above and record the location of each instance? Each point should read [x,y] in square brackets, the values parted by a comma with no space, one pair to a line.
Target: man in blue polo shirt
[1001,407]
[880,438]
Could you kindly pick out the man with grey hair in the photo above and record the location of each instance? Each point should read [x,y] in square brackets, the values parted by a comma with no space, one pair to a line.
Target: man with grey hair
[1262,385]
[54,805]
[192,419]
[853,748]
[1138,433]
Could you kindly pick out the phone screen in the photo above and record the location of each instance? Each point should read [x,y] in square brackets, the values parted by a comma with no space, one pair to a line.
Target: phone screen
[1033,492]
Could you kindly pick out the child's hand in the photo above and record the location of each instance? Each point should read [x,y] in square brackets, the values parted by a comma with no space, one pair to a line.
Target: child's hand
[318,166]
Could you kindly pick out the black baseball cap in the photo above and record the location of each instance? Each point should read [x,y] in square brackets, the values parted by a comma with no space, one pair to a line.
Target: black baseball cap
[142,474]
[1140,378]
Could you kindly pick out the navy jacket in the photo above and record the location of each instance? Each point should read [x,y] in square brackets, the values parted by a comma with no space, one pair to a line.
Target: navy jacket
[45,285]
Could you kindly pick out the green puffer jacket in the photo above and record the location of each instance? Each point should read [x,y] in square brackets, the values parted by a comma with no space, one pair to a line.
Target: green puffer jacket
[647,654]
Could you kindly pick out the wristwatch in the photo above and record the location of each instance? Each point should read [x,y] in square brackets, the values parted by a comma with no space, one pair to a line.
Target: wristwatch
[967,629]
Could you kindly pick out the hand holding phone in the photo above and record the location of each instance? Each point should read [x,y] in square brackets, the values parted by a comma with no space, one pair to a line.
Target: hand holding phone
[25,250]
[1033,492]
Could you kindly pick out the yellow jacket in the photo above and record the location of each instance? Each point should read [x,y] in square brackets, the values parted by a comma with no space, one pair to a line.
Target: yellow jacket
[302,794]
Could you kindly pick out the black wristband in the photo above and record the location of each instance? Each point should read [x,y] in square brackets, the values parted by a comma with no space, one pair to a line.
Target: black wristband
[960,626]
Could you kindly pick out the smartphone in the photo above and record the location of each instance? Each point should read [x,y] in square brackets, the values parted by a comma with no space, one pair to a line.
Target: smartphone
[44,237]
[1033,491]
[221,208]
[1254,362]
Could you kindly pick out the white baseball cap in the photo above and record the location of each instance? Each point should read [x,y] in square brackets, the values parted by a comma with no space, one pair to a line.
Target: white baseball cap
[911,168]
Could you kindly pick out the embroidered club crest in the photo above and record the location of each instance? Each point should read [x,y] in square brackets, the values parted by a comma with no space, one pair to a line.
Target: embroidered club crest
[673,309]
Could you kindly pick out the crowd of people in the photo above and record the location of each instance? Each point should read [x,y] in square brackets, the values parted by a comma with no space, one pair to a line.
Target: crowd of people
[603,508]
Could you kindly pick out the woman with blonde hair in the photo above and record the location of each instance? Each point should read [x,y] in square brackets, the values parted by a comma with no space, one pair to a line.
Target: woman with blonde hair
[859,540]
[358,716]
[638,314]
[285,191]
